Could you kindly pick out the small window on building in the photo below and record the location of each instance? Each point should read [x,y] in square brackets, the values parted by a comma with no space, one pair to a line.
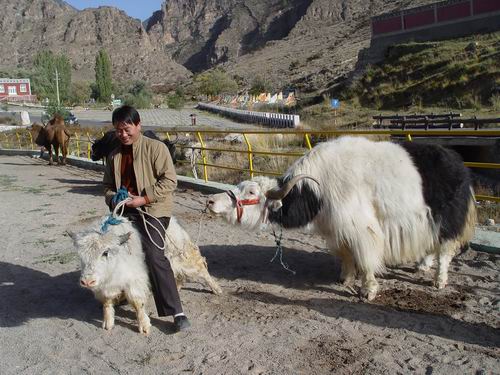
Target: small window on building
[12,90]
[2,89]
[22,87]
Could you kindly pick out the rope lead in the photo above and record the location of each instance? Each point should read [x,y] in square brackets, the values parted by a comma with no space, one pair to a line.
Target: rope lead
[120,196]
[279,251]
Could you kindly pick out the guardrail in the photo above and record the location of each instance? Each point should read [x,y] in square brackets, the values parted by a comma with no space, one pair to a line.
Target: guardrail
[275,120]
[428,123]
[303,140]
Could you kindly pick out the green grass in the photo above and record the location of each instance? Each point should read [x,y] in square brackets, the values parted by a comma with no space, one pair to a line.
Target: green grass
[459,73]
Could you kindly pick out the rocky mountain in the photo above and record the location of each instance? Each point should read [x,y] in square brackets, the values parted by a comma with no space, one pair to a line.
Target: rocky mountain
[29,26]
[308,44]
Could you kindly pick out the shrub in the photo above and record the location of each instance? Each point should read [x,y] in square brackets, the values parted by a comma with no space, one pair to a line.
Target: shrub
[495,101]
[53,109]
[175,101]
[215,82]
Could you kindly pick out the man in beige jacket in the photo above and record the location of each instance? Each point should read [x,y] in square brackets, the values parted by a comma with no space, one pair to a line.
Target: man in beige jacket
[145,168]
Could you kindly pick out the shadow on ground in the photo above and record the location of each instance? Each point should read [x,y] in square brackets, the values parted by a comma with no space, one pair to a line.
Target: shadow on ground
[28,294]
[251,262]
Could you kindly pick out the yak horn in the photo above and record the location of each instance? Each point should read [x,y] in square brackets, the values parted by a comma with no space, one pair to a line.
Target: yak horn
[281,193]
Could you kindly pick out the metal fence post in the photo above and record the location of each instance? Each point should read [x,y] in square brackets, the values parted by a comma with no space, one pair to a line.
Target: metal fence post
[18,140]
[308,141]
[77,144]
[31,141]
[250,155]
[88,146]
[203,155]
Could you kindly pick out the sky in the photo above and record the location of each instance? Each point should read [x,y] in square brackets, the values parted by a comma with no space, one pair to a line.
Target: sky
[141,9]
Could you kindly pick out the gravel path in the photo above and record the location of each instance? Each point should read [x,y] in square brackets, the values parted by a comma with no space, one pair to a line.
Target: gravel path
[268,321]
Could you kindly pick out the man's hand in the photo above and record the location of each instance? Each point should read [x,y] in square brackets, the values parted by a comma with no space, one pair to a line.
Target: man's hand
[136,201]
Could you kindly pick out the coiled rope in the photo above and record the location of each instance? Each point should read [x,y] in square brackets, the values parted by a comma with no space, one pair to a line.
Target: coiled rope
[120,199]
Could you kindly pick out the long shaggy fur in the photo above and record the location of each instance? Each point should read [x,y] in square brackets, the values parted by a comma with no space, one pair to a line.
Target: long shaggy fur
[372,201]
[113,265]
[376,204]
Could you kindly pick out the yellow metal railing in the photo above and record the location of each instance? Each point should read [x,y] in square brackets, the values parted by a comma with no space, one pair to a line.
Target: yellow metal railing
[250,151]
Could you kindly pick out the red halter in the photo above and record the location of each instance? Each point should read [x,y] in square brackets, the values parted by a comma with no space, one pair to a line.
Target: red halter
[239,203]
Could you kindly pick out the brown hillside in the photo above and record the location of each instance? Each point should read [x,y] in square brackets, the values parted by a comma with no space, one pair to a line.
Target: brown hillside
[29,26]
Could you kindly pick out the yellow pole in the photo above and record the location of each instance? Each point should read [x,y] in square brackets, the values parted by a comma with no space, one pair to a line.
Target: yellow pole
[31,141]
[168,136]
[77,144]
[18,140]
[408,137]
[250,155]
[88,146]
[308,141]
[205,174]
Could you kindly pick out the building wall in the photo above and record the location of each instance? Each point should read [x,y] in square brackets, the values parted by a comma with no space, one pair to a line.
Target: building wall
[462,17]
[12,87]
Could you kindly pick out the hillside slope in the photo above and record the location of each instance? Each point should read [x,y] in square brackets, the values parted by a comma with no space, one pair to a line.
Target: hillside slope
[307,44]
[458,73]
[29,26]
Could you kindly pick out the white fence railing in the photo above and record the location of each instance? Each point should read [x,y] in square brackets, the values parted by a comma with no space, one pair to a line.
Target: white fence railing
[275,120]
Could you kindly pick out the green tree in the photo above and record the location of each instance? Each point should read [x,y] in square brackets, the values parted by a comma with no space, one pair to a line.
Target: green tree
[259,85]
[215,82]
[138,94]
[80,92]
[176,100]
[104,82]
[53,109]
[48,68]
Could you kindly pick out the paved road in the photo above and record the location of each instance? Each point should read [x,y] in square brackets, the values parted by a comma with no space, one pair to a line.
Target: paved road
[167,118]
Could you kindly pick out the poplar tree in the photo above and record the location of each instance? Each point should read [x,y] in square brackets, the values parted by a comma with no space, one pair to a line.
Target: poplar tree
[103,78]
[46,63]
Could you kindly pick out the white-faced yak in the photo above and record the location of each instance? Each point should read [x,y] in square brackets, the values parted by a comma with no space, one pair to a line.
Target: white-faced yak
[375,204]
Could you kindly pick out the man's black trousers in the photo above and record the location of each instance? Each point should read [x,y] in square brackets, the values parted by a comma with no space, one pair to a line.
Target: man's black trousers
[162,278]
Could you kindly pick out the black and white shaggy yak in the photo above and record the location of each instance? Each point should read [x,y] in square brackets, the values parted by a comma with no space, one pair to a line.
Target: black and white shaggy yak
[102,147]
[113,266]
[375,203]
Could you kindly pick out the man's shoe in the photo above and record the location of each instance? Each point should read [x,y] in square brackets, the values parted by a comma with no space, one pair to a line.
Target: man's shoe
[181,323]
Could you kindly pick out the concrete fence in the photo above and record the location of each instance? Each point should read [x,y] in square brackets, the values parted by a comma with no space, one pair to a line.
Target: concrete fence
[275,120]
[20,117]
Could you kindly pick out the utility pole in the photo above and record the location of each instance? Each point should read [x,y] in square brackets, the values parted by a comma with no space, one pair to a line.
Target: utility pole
[57,88]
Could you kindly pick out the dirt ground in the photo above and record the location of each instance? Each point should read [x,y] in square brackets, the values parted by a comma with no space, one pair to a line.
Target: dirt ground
[268,321]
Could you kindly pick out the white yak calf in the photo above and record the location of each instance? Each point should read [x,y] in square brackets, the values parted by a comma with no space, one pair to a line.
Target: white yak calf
[113,266]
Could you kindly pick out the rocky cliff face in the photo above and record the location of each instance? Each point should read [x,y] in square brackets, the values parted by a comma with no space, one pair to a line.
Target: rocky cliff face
[200,34]
[308,44]
[29,26]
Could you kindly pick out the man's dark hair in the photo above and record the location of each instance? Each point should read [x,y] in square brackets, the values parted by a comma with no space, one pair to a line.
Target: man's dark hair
[126,114]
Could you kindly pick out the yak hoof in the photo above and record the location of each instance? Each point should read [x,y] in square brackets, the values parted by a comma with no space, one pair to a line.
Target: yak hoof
[145,329]
[349,281]
[145,325]
[108,325]
[217,290]
[423,268]
[369,293]
[440,284]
